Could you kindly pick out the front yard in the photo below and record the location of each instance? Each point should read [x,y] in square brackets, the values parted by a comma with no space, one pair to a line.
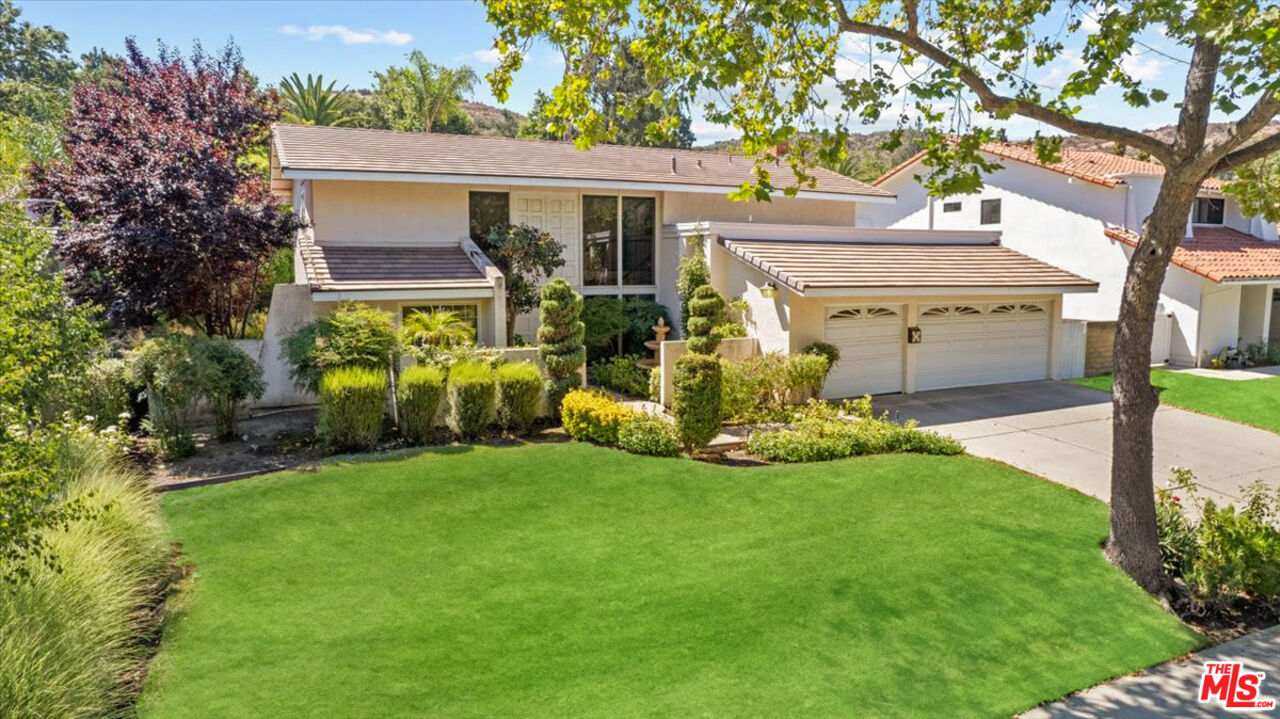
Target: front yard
[1253,402]
[570,580]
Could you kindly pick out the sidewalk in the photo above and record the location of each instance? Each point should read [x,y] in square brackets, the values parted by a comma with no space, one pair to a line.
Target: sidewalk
[1172,689]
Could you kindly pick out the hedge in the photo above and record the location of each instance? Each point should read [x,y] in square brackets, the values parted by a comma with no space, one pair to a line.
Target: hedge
[473,394]
[519,395]
[352,402]
[419,392]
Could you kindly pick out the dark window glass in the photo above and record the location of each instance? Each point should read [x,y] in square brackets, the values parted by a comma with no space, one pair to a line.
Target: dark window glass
[638,225]
[951,207]
[990,212]
[1209,211]
[599,240]
[467,313]
[488,209]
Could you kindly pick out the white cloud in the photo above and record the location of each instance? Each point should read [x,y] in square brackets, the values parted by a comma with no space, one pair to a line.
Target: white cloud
[1067,63]
[707,132]
[1142,69]
[484,57]
[348,36]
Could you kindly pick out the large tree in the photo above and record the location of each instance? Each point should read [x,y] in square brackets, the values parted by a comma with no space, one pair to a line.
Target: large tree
[423,96]
[36,69]
[161,214]
[778,72]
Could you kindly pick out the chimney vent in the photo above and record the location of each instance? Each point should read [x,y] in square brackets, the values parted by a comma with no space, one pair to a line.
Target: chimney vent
[673,164]
[699,164]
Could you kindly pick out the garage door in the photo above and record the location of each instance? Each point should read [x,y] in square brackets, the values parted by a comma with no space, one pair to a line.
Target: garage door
[972,344]
[870,339]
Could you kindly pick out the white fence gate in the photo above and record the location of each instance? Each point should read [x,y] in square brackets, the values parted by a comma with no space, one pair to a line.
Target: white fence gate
[1162,338]
[1071,351]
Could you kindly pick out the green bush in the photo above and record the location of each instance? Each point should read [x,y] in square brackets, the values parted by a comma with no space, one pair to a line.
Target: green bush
[622,374]
[642,315]
[175,373]
[706,312]
[806,373]
[649,434]
[108,386]
[765,388]
[591,416]
[353,335]
[655,384]
[604,319]
[418,395]
[825,432]
[519,395]
[1263,353]
[696,399]
[473,394]
[830,351]
[560,334]
[693,273]
[352,403]
[71,638]
[426,335]
[232,378]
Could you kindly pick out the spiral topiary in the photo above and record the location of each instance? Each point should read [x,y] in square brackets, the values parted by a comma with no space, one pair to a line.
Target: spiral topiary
[560,335]
[706,311]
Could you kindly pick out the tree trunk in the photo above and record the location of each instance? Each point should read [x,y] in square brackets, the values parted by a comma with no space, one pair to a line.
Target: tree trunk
[1133,544]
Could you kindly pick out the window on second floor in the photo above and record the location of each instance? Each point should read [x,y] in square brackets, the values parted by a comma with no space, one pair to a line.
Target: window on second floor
[951,207]
[1209,210]
[486,210]
[990,212]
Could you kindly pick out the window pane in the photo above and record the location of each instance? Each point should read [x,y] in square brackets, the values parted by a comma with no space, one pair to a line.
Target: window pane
[990,212]
[638,225]
[599,240]
[1209,211]
[951,207]
[488,209]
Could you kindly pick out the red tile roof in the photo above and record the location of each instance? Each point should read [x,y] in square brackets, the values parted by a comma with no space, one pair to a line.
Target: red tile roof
[1219,254]
[1100,168]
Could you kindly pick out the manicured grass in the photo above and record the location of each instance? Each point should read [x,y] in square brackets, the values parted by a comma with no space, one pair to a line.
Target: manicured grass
[1255,402]
[566,580]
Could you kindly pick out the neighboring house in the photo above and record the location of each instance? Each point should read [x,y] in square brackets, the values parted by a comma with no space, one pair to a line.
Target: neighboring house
[396,220]
[1082,214]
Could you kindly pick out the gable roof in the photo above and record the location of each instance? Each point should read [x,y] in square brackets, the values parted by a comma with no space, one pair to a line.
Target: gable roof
[1100,168]
[1220,254]
[338,152]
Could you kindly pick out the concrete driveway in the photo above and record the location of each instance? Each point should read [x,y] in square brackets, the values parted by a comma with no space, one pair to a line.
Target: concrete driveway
[1062,432]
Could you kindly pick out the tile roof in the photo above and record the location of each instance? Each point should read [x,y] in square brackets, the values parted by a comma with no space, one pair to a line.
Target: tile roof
[805,266]
[343,149]
[350,267]
[1219,253]
[1100,168]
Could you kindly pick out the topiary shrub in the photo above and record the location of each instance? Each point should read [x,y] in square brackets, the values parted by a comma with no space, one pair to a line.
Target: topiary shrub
[473,394]
[418,395]
[519,395]
[649,434]
[591,416]
[830,351]
[560,334]
[235,377]
[706,312]
[693,273]
[353,335]
[352,403]
[696,399]
[604,319]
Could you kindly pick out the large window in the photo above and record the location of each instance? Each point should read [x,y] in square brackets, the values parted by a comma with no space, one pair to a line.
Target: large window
[1209,210]
[488,209]
[605,219]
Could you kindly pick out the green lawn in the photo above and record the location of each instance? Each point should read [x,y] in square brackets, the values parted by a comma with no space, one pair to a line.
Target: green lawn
[566,580]
[1255,402]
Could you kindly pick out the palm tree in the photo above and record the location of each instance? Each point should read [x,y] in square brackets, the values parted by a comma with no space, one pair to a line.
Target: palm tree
[311,102]
[436,330]
[422,95]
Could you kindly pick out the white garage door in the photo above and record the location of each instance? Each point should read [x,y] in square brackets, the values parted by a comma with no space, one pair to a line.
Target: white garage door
[972,344]
[870,339]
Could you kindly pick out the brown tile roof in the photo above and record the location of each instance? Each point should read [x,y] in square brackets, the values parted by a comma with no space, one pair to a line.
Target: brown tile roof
[1099,168]
[1219,253]
[308,148]
[805,266]
[349,267]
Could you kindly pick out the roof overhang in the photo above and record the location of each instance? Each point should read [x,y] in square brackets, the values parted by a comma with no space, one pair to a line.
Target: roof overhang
[943,290]
[392,295]
[511,181]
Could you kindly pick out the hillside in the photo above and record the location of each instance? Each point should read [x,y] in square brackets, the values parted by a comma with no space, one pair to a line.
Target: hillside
[493,121]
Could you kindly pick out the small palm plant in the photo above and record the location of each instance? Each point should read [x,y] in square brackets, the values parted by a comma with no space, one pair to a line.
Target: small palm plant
[429,333]
[311,102]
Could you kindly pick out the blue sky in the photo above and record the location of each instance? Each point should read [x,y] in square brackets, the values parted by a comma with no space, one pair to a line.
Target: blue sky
[348,41]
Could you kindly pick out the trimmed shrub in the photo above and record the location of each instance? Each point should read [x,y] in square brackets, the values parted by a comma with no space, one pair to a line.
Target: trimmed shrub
[593,416]
[519,395]
[473,394]
[418,395]
[825,432]
[234,377]
[765,388]
[806,373]
[604,319]
[830,351]
[693,273]
[352,404]
[622,374]
[560,334]
[353,335]
[649,434]
[706,312]
[696,399]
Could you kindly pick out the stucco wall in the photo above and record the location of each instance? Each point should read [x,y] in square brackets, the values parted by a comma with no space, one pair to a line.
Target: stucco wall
[291,307]
[381,213]
[1219,319]
[1255,313]
[715,207]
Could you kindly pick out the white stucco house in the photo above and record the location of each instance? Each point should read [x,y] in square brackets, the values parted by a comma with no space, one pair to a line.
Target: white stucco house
[1082,214]
[394,220]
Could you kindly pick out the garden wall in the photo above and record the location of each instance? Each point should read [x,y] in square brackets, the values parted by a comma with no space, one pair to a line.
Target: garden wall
[291,307]
[735,350]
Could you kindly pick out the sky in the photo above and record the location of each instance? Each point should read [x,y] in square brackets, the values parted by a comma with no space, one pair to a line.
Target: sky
[349,41]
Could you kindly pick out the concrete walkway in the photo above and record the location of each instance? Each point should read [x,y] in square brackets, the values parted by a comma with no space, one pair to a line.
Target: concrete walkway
[1239,375]
[1172,689]
[1062,432]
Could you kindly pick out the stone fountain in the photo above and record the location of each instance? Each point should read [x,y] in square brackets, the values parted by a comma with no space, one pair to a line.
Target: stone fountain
[660,331]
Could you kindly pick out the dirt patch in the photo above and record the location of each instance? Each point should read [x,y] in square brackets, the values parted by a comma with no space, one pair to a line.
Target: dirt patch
[269,441]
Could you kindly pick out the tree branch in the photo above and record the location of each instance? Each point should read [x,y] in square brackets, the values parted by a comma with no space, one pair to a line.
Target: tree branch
[1247,154]
[1243,130]
[1193,119]
[993,101]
